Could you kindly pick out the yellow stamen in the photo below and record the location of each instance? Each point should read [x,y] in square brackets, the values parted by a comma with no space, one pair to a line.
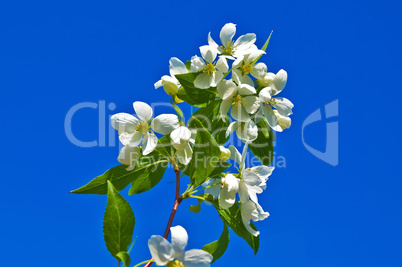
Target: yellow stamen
[175,263]
[246,68]
[209,68]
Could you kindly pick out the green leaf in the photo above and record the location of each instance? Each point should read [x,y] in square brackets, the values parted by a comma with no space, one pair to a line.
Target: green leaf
[263,147]
[148,177]
[191,94]
[211,119]
[218,247]
[232,217]
[120,177]
[220,167]
[206,155]
[118,222]
[124,257]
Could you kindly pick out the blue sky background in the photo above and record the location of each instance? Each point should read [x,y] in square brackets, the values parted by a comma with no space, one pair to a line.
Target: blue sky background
[55,54]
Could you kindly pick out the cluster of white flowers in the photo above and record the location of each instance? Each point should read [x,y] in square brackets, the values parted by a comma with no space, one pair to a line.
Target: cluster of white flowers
[248,96]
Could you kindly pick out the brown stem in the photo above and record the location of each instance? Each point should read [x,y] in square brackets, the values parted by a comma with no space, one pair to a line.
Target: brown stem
[177,202]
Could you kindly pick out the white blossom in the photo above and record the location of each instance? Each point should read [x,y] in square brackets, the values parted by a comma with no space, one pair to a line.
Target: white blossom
[245,131]
[247,65]
[170,84]
[244,44]
[252,211]
[182,139]
[212,71]
[132,130]
[279,119]
[173,254]
[238,98]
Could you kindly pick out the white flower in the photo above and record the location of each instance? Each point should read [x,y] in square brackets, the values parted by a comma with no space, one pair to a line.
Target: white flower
[170,84]
[212,72]
[246,131]
[239,97]
[230,48]
[252,211]
[276,82]
[245,65]
[181,140]
[173,254]
[225,153]
[224,189]
[277,120]
[252,180]
[229,188]
[132,130]
[128,156]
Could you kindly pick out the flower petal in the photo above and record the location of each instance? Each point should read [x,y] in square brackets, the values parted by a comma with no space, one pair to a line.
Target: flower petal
[165,123]
[232,127]
[184,156]
[224,108]
[143,110]
[211,42]
[209,53]
[197,64]
[132,139]
[227,89]
[179,239]
[149,143]
[259,70]
[161,250]
[235,154]
[213,190]
[239,113]
[227,33]
[158,84]
[216,78]
[222,65]
[265,94]
[253,56]
[250,103]
[283,106]
[180,137]
[196,258]
[284,122]
[203,81]
[279,81]
[245,89]
[248,212]
[245,41]
[124,122]
[176,66]
[128,156]
[271,118]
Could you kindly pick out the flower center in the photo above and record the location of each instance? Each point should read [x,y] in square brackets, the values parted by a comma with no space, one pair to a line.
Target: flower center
[209,68]
[143,128]
[246,68]
[175,263]
[228,49]
[237,98]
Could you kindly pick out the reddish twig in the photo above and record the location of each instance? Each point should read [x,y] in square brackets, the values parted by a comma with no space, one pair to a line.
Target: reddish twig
[175,206]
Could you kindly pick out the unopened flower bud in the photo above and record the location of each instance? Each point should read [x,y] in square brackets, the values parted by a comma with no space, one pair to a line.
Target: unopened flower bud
[225,153]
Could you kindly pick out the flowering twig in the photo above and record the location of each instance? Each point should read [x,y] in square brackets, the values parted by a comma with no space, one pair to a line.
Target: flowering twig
[177,202]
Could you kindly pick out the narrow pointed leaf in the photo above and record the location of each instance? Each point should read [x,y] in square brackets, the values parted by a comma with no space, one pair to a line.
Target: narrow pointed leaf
[263,147]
